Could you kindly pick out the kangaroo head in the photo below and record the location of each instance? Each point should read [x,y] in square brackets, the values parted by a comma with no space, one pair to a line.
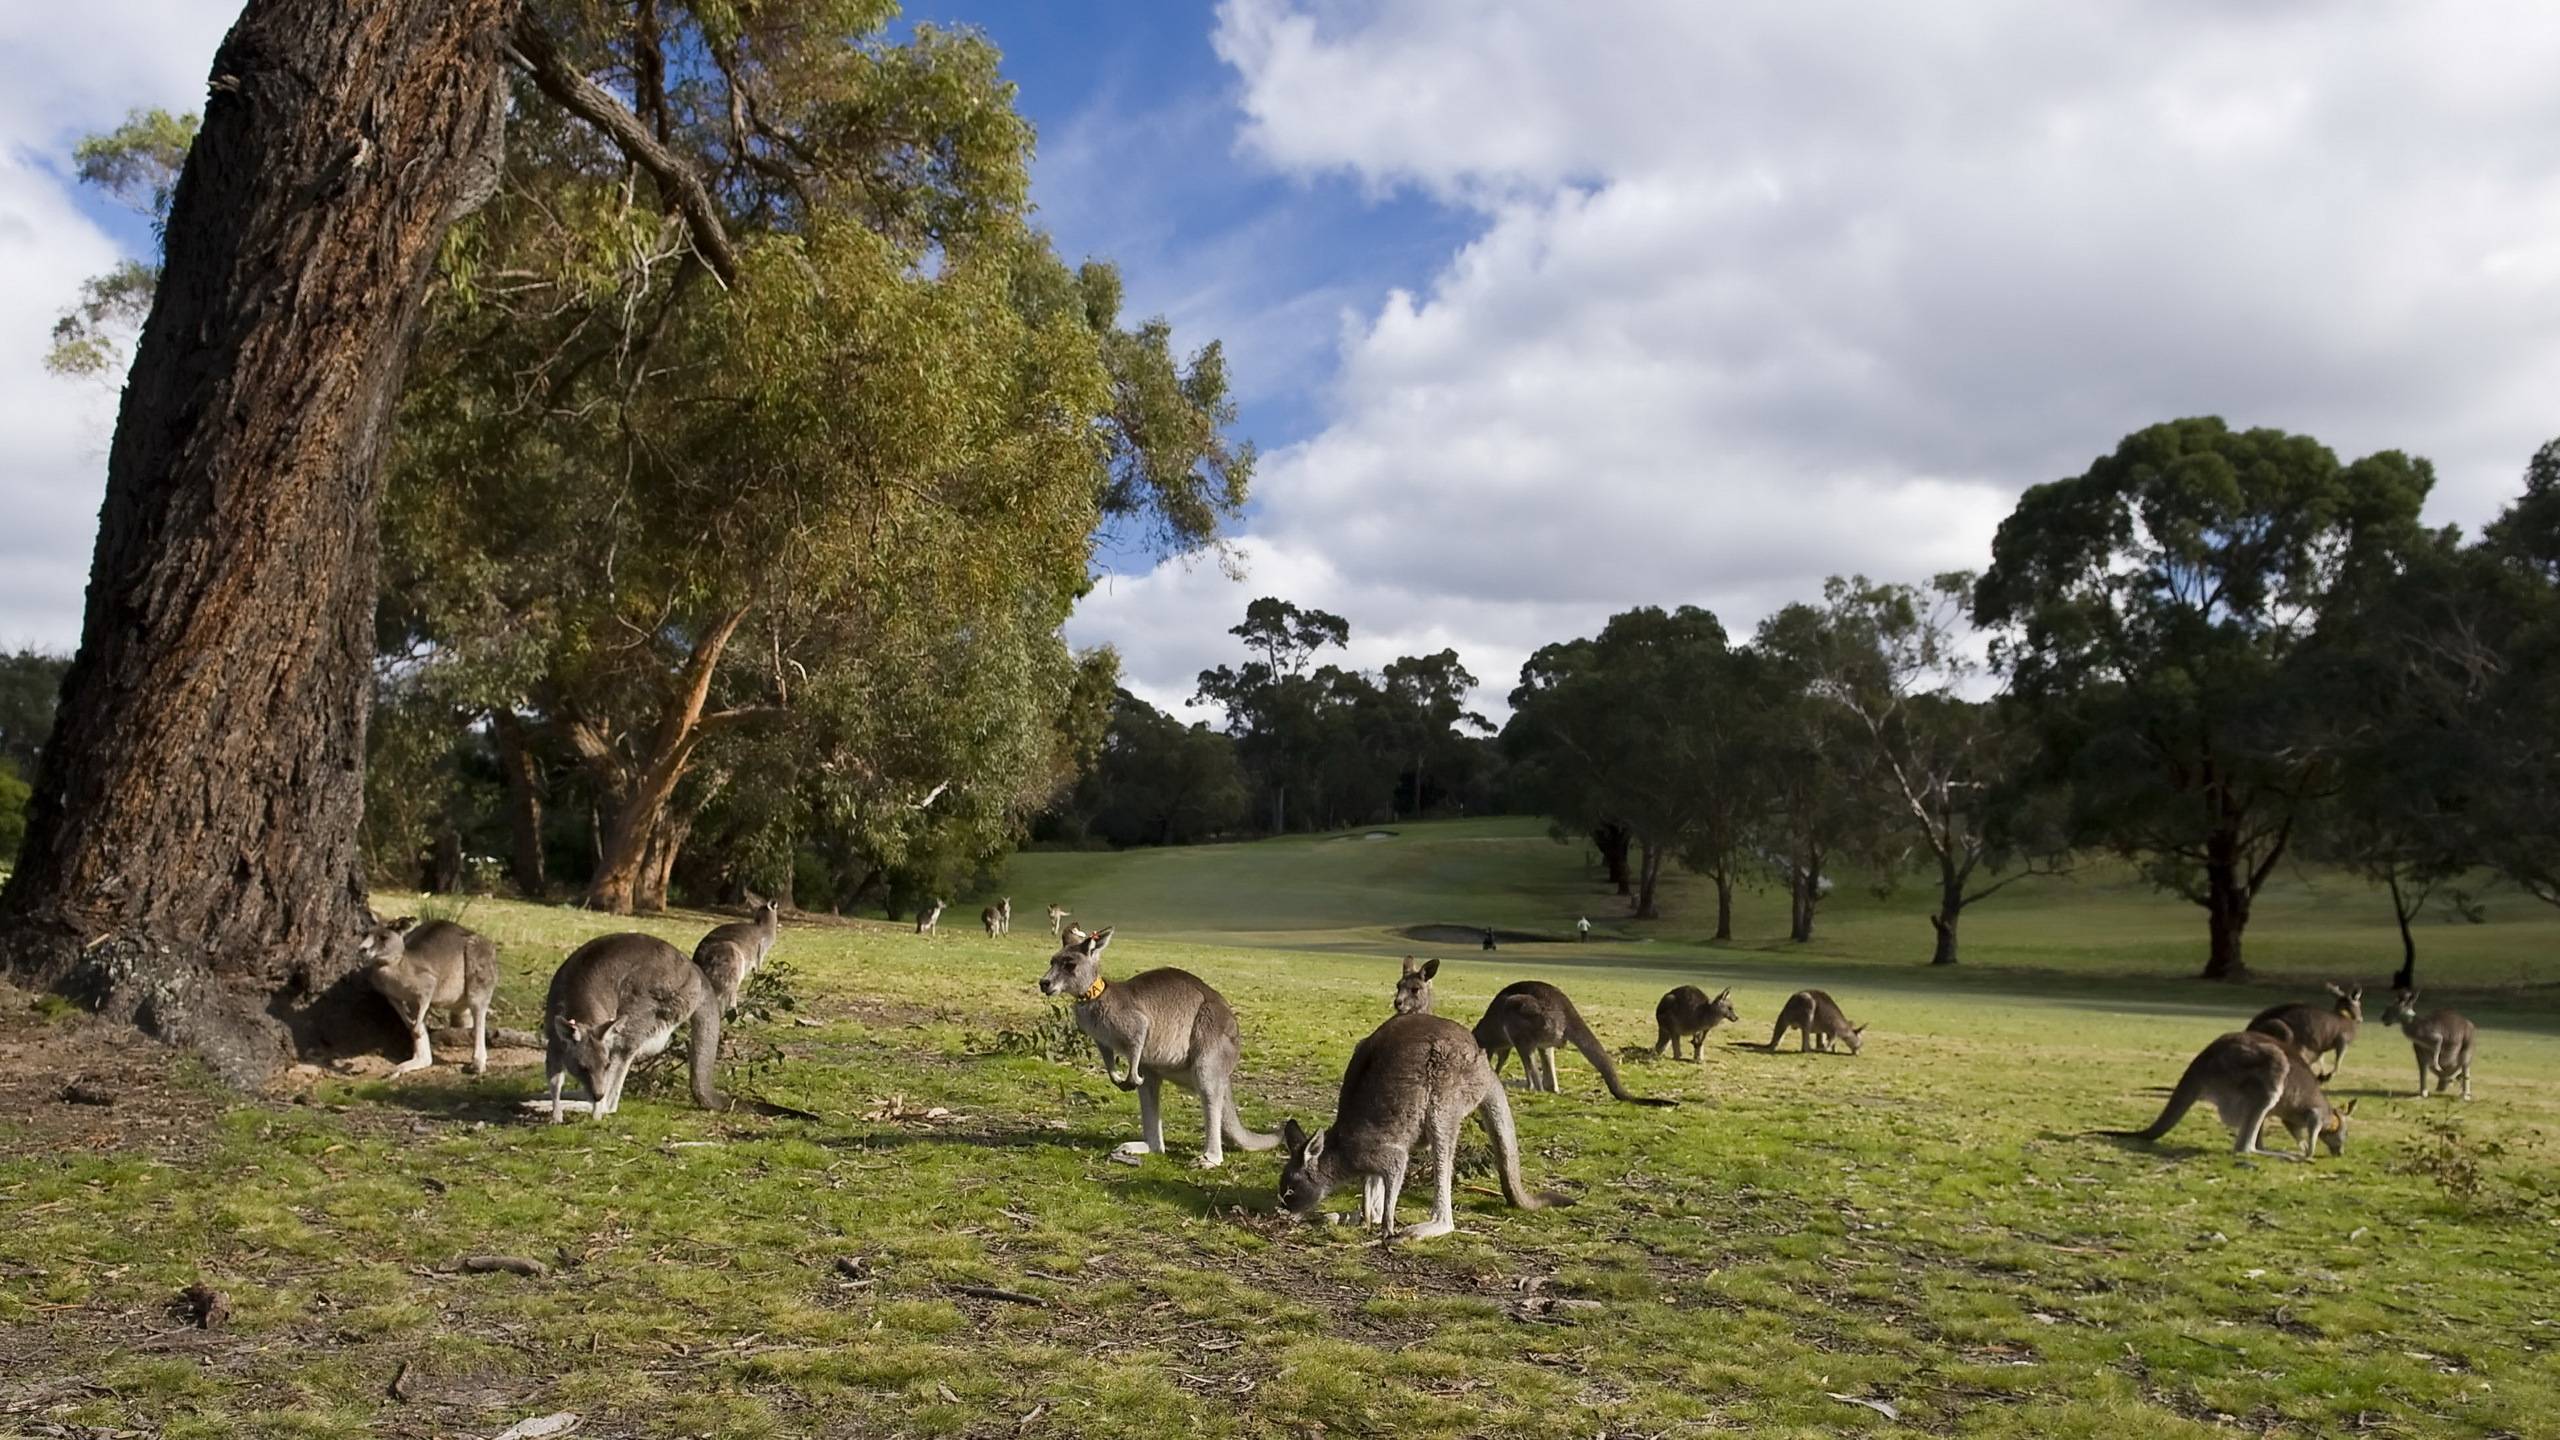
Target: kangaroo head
[1077,965]
[1721,1007]
[1304,1178]
[768,912]
[2350,1001]
[2333,1128]
[1856,1032]
[1413,987]
[2404,1008]
[380,942]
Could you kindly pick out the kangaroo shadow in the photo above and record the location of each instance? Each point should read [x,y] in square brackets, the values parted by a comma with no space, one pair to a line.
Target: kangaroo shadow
[1748,1047]
[1209,1194]
[1015,1139]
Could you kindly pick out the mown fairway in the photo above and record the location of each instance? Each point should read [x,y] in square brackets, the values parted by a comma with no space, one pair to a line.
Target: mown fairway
[1920,1226]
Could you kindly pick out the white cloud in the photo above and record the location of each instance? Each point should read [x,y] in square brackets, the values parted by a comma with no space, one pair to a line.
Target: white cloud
[69,72]
[1761,293]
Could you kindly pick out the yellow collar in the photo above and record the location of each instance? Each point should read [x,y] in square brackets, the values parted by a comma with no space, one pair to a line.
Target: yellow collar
[1093,994]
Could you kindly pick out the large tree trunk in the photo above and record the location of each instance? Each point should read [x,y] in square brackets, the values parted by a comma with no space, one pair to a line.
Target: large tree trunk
[191,861]
[1724,904]
[2227,910]
[1612,841]
[1950,911]
[2403,909]
[524,805]
[1648,882]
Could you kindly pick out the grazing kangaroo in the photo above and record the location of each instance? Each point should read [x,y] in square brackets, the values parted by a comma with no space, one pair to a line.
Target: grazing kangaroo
[1413,987]
[2249,1076]
[732,952]
[1170,1026]
[2319,1029]
[2443,1042]
[1818,1021]
[437,966]
[926,917]
[1058,922]
[617,1000]
[1409,1086]
[1687,1014]
[1534,1017]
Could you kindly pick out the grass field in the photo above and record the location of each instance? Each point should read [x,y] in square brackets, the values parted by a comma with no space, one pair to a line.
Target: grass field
[1921,1226]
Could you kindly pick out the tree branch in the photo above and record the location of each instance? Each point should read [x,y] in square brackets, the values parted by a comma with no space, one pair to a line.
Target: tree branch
[530,46]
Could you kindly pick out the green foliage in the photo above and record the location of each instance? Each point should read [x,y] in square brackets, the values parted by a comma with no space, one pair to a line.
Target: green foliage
[1051,1036]
[30,685]
[137,163]
[1156,781]
[15,794]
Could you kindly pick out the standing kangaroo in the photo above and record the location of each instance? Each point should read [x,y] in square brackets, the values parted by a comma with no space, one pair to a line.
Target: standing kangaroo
[1058,923]
[2249,1076]
[2443,1042]
[1818,1021]
[1687,1014]
[926,917]
[437,966]
[1170,1026]
[2319,1029]
[1534,1017]
[617,1000]
[1413,987]
[1409,1086]
[732,952]
[993,922]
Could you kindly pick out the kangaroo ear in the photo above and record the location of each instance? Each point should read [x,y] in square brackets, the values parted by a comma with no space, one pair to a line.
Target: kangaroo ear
[2350,1109]
[404,922]
[1725,993]
[1430,968]
[1095,942]
[1411,964]
[1315,1146]
[2333,989]
[1292,1134]
[1857,1029]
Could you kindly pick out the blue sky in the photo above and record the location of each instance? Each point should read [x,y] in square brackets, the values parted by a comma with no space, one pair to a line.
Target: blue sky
[1540,311]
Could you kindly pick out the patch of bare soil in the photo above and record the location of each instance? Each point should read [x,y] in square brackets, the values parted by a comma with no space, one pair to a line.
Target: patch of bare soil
[71,1082]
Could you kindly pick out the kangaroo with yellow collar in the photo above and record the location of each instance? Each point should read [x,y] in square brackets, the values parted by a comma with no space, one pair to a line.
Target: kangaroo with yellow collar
[1166,1025]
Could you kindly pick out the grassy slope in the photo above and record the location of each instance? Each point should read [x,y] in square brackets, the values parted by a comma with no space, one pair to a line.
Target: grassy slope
[1919,1225]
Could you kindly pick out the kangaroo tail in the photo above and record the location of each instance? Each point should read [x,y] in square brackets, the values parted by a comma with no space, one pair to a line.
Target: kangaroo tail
[1496,1115]
[1237,1135]
[705,1047]
[2181,1100]
[1776,1035]
[1598,1054]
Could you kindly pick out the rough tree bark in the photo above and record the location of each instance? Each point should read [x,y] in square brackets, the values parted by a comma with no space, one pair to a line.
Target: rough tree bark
[1648,881]
[1612,841]
[191,859]
[524,805]
[642,802]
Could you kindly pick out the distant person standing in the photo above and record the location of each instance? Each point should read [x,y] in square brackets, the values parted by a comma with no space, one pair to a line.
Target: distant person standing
[1488,937]
[1582,928]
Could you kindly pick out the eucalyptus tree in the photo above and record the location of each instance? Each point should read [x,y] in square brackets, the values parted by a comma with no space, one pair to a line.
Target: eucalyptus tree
[2157,616]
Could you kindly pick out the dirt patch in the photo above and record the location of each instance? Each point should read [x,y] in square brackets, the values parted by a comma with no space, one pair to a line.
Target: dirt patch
[1474,935]
[70,1081]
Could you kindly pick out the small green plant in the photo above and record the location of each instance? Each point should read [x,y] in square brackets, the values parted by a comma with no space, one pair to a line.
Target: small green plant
[1053,1037]
[750,1053]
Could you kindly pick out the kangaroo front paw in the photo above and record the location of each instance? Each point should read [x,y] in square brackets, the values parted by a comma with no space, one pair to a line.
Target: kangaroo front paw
[1427,1230]
[1130,1147]
[1209,1162]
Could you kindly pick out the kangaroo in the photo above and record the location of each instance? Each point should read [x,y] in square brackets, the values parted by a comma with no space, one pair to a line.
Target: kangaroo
[617,1000]
[732,952]
[2249,1076]
[2320,1029]
[1170,1026]
[1058,922]
[2442,1040]
[991,921]
[1534,1017]
[1410,1085]
[1413,987]
[926,917]
[437,966]
[1818,1021]
[1687,1014]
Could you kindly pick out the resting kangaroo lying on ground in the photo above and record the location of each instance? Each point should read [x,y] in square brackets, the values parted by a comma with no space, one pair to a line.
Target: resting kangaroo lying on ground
[1413,987]
[1171,1026]
[437,966]
[2443,1042]
[618,999]
[1818,1021]
[1534,1017]
[2319,1029]
[1409,1086]
[1687,1014]
[2248,1076]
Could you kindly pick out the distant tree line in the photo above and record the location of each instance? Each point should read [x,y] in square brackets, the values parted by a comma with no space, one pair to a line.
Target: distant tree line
[2213,651]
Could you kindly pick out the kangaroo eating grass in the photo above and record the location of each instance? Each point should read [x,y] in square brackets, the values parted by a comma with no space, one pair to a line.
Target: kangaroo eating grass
[1534,1017]
[928,916]
[2443,1042]
[1818,1022]
[1413,987]
[1409,1086]
[732,952]
[437,966]
[2249,1076]
[1687,1014]
[617,1000]
[2319,1029]
[1168,1025]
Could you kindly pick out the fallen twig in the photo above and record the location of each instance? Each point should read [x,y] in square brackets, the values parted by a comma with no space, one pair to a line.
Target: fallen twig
[505,1264]
[995,1292]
